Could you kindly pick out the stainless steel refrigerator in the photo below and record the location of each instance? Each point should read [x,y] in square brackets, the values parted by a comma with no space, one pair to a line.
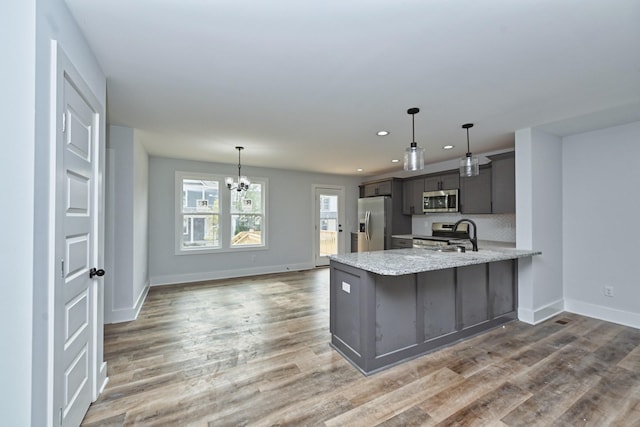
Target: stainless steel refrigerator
[374,223]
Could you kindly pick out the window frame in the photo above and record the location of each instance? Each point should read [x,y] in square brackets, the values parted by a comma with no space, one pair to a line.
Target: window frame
[224,215]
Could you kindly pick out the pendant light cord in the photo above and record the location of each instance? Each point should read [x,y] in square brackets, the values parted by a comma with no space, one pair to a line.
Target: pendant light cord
[467,126]
[413,111]
[413,128]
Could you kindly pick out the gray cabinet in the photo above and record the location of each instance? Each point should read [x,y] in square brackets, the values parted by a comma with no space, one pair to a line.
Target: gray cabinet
[412,190]
[473,298]
[378,188]
[443,181]
[354,242]
[391,187]
[503,182]
[439,303]
[475,192]
[401,243]
[377,321]
[502,290]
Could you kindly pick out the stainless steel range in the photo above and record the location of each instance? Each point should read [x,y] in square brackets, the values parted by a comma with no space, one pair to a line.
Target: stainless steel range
[442,234]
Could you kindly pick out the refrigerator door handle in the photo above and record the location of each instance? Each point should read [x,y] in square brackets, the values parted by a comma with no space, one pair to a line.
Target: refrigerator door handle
[366,225]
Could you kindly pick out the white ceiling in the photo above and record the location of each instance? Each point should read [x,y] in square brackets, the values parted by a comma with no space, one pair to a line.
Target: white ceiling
[306,85]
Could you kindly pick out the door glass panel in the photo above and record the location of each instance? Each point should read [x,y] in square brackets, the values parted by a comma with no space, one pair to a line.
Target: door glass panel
[328,227]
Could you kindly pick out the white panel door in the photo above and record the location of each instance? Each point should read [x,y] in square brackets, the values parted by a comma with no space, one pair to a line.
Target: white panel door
[74,315]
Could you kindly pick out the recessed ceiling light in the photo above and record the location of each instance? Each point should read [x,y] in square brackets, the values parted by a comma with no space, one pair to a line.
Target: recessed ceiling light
[448,147]
[395,161]
[382,133]
[359,169]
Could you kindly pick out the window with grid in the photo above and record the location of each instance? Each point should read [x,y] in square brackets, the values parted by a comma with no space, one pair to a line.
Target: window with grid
[200,212]
[212,218]
[247,216]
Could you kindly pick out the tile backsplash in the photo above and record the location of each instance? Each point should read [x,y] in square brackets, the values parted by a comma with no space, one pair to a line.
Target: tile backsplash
[496,227]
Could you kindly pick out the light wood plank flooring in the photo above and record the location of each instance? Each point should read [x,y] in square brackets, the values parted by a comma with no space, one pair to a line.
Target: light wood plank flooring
[255,351]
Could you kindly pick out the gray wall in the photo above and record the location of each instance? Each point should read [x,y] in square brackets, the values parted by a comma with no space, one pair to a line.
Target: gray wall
[127,205]
[600,223]
[28,28]
[577,203]
[17,111]
[290,234]
[539,224]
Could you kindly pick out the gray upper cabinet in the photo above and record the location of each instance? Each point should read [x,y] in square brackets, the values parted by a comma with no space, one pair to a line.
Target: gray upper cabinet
[475,192]
[503,182]
[492,191]
[412,190]
[379,188]
[391,187]
[445,181]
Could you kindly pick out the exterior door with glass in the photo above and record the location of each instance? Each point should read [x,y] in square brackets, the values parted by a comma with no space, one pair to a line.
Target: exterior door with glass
[329,219]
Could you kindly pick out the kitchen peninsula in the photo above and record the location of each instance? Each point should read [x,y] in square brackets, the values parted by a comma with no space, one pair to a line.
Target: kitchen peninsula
[394,305]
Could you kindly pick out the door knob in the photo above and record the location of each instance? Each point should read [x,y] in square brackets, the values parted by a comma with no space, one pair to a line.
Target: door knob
[96,272]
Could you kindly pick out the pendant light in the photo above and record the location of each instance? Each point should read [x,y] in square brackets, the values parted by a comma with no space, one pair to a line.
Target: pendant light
[413,155]
[469,164]
[243,182]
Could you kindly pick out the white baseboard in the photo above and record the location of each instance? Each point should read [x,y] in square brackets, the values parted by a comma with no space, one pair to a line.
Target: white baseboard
[130,313]
[227,274]
[533,317]
[626,318]
[101,381]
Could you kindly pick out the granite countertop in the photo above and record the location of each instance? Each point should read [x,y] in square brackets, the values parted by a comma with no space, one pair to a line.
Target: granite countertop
[397,262]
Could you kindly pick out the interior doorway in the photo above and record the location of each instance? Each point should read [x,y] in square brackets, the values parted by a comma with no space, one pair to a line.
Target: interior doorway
[329,219]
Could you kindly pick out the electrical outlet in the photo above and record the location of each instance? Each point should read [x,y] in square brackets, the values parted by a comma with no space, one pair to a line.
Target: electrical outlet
[608,291]
[346,287]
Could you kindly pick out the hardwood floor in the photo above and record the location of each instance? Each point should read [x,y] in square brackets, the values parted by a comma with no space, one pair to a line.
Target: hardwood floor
[255,351]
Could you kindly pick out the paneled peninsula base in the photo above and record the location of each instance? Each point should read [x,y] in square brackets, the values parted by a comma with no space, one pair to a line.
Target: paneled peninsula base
[377,321]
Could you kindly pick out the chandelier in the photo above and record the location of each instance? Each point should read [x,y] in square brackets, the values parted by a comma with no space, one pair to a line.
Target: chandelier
[243,182]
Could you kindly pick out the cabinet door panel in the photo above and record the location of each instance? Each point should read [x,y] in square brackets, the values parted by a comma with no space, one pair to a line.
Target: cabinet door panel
[407,197]
[346,324]
[473,298]
[503,183]
[370,190]
[475,193]
[439,303]
[501,287]
[450,181]
[395,313]
[418,189]
[401,243]
[384,188]
[432,183]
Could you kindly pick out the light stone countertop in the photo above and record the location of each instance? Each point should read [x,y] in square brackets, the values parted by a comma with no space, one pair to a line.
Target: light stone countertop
[396,262]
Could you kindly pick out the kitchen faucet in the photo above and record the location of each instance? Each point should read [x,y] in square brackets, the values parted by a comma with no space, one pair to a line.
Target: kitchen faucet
[474,239]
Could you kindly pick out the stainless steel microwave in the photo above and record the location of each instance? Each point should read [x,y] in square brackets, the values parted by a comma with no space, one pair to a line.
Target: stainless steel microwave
[440,201]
